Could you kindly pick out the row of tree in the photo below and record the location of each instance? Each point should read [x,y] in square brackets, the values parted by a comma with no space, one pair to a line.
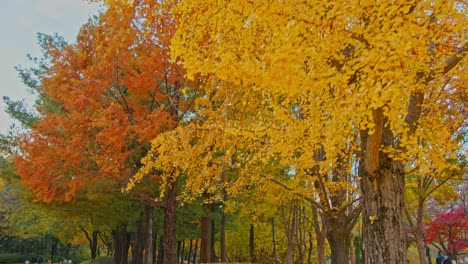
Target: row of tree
[318,115]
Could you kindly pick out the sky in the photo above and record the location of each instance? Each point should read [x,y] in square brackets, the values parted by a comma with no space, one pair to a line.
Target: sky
[20,21]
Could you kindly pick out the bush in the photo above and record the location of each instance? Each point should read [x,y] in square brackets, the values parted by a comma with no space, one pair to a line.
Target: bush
[12,258]
[99,260]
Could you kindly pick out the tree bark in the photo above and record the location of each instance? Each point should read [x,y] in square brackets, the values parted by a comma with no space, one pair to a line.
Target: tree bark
[252,243]
[93,241]
[190,252]
[54,248]
[205,247]
[382,181]
[311,246]
[139,241]
[170,222]
[213,240]
[320,234]
[160,259]
[182,252]
[222,231]
[195,254]
[179,250]
[289,227]
[339,245]
[121,244]
[148,252]
[383,234]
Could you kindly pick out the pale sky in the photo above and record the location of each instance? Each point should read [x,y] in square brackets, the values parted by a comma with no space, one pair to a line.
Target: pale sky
[20,21]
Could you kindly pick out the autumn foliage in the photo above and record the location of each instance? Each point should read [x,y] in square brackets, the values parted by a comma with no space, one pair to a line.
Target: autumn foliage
[449,230]
[105,97]
[336,103]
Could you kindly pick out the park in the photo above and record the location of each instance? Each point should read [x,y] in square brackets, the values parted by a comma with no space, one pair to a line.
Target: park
[267,132]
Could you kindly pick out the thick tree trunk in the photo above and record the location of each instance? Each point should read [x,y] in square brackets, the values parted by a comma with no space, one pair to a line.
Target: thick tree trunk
[121,244]
[339,245]
[382,182]
[213,239]
[148,252]
[205,247]
[170,223]
[383,233]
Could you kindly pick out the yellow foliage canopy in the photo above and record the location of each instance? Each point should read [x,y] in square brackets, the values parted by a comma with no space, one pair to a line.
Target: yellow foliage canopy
[290,78]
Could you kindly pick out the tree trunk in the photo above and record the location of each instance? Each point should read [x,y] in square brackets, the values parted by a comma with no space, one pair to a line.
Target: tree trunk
[222,232]
[320,234]
[139,241]
[339,245]
[190,252]
[382,182]
[161,250]
[54,248]
[420,239]
[182,253]
[179,250]
[289,227]
[195,254]
[148,252]
[155,248]
[205,247]
[252,244]
[311,245]
[275,255]
[121,244]
[352,253]
[93,241]
[300,234]
[213,240]
[170,223]
[421,248]
[384,239]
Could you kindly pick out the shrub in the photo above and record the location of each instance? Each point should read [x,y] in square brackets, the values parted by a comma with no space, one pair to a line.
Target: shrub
[12,258]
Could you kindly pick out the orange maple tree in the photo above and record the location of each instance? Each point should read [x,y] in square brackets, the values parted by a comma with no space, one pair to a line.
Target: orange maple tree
[108,95]
[103,99]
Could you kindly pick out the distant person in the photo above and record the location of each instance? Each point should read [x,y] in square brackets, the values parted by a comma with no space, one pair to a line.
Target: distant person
[439,258]
[446,260]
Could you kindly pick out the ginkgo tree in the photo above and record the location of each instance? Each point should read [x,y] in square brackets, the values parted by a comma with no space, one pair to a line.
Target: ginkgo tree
[373,85]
